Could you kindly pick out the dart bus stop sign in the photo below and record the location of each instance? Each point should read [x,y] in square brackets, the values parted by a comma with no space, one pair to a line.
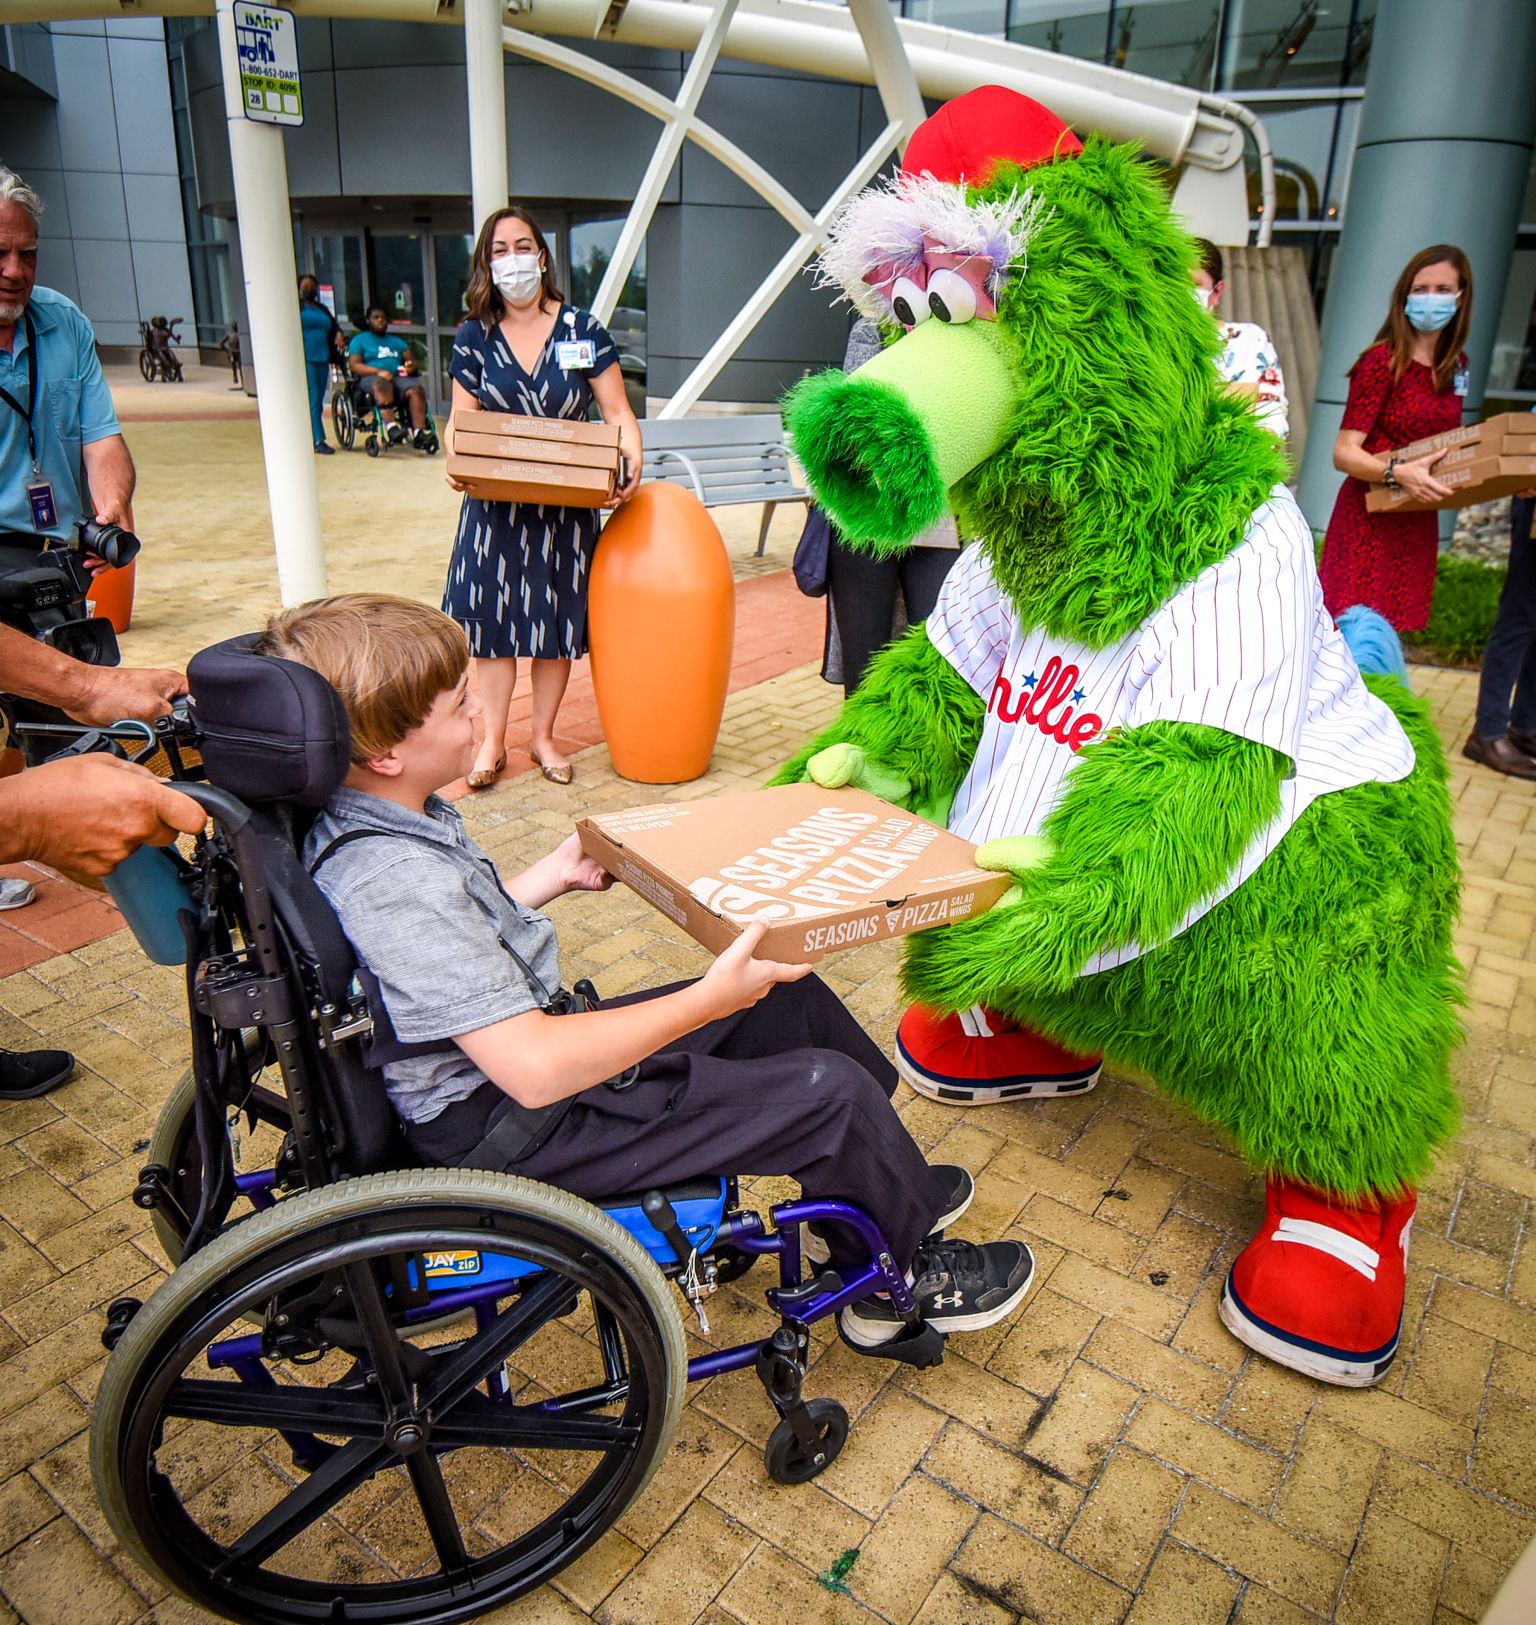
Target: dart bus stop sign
[268,47]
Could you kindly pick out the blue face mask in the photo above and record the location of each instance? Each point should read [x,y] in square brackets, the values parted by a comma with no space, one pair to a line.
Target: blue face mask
[1429,312]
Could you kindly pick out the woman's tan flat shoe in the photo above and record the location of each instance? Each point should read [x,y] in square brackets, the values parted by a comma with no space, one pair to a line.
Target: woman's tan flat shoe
[562,773]
[483,778]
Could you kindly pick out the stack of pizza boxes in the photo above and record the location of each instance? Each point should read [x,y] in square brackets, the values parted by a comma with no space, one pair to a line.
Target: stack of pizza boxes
[1482,461]
[506,457]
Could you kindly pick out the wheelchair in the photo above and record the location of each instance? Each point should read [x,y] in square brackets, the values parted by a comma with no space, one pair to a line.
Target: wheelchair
[371,1390]
[355,412]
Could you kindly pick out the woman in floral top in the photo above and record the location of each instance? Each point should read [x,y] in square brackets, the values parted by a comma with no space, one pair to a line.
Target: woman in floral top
[1248,357]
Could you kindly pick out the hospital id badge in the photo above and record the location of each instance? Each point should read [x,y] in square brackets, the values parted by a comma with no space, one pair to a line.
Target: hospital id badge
[1461,380]
[575,354]
[45,511]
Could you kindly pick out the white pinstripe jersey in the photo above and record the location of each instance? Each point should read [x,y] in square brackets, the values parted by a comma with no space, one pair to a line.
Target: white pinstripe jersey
[1246,647]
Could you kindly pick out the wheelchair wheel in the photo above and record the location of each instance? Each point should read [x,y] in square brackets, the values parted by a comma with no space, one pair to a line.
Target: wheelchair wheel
[371,445]
[343,419]
[425,1490]
[431,445]
[146,366]
[789,1461]
[174,1148]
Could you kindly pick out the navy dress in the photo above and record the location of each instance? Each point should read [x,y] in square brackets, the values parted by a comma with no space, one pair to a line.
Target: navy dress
[517,583]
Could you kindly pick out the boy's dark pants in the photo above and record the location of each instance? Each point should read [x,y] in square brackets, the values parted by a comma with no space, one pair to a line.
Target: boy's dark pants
[792,1086]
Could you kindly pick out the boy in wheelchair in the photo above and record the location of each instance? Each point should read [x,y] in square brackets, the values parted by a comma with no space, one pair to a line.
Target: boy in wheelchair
[756,1068]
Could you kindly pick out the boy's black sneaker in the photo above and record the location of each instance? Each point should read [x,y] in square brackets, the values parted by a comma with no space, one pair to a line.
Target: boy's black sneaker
[960,1287]
[959,1188]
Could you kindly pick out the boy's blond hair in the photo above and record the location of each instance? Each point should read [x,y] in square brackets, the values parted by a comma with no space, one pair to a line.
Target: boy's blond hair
[388,658]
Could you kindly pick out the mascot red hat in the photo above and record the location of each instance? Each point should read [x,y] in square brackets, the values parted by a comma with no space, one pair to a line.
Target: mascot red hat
[968,137]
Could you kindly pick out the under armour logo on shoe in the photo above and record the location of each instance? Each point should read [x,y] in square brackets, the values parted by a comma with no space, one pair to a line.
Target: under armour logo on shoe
[950,1300]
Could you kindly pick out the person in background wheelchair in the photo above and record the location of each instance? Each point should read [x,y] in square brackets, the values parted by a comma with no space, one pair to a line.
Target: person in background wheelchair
[387,368]
[756,1068]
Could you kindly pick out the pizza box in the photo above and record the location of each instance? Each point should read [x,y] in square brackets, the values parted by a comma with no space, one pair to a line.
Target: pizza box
[827,869]
[1242,392]
[1509,446]
[496,479]
[1481,480]
[527,448]
[515,423]
[1503,425]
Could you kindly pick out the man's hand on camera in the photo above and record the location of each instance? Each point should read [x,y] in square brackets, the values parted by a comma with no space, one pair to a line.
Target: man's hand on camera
[110,694]
[88,813]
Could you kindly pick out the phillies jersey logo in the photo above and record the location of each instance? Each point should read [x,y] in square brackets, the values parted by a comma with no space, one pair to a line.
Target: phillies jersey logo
[1046,702]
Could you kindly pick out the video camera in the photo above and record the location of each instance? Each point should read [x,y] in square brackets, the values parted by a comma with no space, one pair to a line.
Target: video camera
[44,584]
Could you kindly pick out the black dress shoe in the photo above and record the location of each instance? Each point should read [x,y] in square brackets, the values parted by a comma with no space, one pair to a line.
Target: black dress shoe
[1501,755]
[26,1074]
[1525,742]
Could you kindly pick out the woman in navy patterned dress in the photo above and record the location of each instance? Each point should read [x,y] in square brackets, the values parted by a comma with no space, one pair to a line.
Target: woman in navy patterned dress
[517,583]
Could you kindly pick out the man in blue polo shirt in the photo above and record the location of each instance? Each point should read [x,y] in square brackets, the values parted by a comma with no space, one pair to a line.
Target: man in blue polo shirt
[383,360]
[62,455]
[62,458]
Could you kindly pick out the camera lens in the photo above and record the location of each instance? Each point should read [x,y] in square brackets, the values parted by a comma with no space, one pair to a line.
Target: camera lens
[110,543]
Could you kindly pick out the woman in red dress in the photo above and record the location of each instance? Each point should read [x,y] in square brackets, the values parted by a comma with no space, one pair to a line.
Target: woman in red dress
[1409,384]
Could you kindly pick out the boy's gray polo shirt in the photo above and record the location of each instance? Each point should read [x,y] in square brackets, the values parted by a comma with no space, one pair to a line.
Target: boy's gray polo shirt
[428,924]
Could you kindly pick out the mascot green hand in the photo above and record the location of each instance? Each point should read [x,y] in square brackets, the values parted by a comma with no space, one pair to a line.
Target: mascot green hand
[1232,852]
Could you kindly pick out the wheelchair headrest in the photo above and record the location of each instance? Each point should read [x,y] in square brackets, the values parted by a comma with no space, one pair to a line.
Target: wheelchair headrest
[272,730]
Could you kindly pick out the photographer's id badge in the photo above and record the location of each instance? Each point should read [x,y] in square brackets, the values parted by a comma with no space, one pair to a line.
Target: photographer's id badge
[1461,380]
[45,511]
[575,354]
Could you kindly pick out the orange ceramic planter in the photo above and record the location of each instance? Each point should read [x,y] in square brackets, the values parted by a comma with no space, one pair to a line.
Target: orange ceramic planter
[662,619]
[112,593]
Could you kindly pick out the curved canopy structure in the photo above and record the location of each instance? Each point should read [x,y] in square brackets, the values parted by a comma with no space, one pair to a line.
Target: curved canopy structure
[1202,137]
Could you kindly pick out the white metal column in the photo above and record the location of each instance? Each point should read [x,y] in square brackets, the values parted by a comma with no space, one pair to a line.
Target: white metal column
[486,73]
[265,223]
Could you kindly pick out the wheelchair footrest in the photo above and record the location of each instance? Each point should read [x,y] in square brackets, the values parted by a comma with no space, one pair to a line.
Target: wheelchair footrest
[789,1300]
[921,1345]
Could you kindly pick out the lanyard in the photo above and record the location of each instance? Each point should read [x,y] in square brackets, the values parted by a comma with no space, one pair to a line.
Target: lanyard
[29,411]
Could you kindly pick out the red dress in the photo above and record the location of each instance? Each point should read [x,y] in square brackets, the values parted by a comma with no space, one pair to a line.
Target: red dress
[1386,560]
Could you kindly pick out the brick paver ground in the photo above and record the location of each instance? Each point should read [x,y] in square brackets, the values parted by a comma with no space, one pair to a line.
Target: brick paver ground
[1109,1454]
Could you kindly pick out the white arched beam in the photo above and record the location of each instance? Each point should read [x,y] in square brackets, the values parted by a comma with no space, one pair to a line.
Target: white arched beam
[673,132]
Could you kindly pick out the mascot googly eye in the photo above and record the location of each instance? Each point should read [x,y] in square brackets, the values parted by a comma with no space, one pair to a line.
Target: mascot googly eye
[909,303]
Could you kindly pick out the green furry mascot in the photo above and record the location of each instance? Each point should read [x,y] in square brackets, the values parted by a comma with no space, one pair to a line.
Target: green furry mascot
[1233,857]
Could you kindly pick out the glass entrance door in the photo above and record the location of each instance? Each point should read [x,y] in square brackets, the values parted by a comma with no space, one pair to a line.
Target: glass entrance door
[336,258]
[451,253]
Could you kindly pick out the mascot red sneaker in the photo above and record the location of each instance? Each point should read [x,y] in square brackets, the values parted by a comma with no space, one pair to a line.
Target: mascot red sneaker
[1233,858]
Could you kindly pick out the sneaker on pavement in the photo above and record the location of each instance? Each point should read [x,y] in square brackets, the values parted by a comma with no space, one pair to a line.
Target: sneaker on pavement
[978,1056]
[26,1074]
[959,1188]
[960,1287]
[1320,1288]
[16,893]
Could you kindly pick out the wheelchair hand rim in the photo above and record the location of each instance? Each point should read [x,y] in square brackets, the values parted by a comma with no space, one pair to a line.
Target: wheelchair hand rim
[184,1554]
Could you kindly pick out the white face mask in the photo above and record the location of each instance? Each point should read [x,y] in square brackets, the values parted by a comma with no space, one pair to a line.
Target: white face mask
[518,277]
[1204,297]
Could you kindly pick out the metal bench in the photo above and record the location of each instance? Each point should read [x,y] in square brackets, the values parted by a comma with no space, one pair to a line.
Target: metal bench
[724,460]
